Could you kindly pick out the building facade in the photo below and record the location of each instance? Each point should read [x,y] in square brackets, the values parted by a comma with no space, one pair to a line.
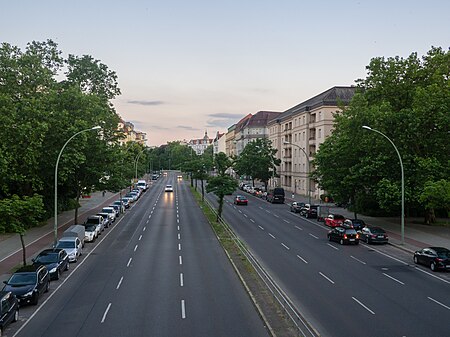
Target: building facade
[130,134]
[297,134]
[201,144]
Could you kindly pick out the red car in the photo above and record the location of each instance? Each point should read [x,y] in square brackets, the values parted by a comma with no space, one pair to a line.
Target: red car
[334,220]
[240,200]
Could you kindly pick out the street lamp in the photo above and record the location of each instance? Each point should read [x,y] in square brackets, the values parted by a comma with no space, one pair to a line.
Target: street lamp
[56,179]
[402,217]
[307,173]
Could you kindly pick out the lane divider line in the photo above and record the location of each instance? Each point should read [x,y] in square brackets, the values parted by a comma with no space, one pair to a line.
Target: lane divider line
[106,313]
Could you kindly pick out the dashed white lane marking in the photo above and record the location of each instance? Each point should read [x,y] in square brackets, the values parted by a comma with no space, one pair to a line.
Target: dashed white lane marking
[143,229]
[129,261]
[178,227]
[326,277]
[393,278]
[298,228]
[252,220]
[301,258]
[240,211]
[179,237]
[246,215]
[260,207]
[106,313]
[183,310]
[365,307]
[120,282]
[140,237]
[437,302]
[180,260]
[285,246]
[178,220]
[261,227]
[315,237]
[135,247]
[181,280]
[273,237]
[329,244]
[286,221]
[276,216]
[357,259]
[179,246]
[147,221]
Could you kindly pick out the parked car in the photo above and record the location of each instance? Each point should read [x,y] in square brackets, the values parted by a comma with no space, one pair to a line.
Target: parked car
[96,220]
[275,195]
[72,246]
[168,188]
[240,200]
[343,235]
[309,211]
[9,309]
[358,224]
[138,191]
[297,206]
[132,195]
[106,221]
[434,257]
[142,184]
[111,212]
[28,283]
[116,208]
[334,220]
[372,234]
[90,232]
[121,205]
[55,259]
[127,201]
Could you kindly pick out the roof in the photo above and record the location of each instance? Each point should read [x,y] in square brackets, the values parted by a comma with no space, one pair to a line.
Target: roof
[331,97]
[261,118]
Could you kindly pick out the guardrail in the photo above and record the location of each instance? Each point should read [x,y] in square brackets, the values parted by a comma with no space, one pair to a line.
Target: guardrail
[303,327]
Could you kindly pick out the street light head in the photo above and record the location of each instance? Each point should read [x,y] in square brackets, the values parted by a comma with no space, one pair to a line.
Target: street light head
[96,127]
[367,127]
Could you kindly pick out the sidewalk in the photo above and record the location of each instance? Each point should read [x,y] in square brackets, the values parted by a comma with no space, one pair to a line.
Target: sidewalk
[416,236]
[39,238]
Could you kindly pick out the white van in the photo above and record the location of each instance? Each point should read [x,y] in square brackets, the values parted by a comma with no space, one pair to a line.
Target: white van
[142,184]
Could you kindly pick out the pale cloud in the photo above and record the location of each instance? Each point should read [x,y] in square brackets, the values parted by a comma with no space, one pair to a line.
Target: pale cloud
[144,102]
[226,115]
[186,127]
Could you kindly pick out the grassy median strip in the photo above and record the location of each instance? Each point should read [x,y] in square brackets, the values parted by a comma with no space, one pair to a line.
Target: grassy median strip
[270,310]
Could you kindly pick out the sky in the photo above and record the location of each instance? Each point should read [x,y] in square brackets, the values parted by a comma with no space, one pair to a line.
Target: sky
[189,66]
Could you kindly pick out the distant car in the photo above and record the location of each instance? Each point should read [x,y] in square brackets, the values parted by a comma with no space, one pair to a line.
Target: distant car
[168,188]
[96,220]
[343,235]
[120,204]
[111,212]
[334,220]
[434,257]
[72,246]
[127,201]
[56,260]
[106,220]
[240,200]
[117,209]
[180,177]
[309,211]
[28,283]
[372,234]
[90,233]
[297,206]
[9,309]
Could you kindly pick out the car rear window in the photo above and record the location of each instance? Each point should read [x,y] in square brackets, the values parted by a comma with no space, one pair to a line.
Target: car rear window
[350,231]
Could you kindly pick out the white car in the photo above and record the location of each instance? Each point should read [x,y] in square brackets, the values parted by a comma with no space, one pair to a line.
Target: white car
[90,233]
[72,246]
[169,188]
[106,220]
[111,212]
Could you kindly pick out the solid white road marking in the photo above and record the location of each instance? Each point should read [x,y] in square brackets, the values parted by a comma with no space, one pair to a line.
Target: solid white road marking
[301,258]
[326,277]
[181,280]
[357,259]
[365,307]
[315,237]
[106,312]
[393,278]
[273,237]
[437,302]
[285,246]
[120,282]
[183,310]
[129,261]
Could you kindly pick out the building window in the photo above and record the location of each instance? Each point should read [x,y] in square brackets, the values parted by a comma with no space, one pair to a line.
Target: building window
[319,133]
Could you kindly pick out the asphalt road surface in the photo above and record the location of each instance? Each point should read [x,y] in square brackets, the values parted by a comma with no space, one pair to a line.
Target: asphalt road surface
[351,290]
[158,272]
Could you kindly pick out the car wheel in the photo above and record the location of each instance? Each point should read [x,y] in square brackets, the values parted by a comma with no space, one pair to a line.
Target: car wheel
[16,316]
[415,260]
[433,266]
[341,241]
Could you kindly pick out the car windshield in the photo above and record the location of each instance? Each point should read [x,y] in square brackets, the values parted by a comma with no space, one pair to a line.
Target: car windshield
[47,258]
[90,228]
[350,231]
[22,279]
[66,244]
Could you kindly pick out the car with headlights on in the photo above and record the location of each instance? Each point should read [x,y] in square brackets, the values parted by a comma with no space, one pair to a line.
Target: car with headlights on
[343,235]
[55,259]
[28,283]
[434,257]
[9,309]
[168,188]
[72,246]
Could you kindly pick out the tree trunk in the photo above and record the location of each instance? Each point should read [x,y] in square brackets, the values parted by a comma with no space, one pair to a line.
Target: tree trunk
[24,255]
[219,210]
[430,217]
[75,220]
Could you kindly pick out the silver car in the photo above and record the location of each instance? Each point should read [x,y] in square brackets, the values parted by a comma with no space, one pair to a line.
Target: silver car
[72,246]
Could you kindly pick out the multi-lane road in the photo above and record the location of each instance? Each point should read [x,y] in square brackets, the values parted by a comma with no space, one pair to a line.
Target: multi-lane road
[343,290]
[159,271]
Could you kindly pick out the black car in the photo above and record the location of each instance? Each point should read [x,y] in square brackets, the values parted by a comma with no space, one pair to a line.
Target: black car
[56,260]
[358,224]
[372,234]
[275,195]
[9,309]
[28,283]
[343,235]
[297,206]
[433,257]
[309,211]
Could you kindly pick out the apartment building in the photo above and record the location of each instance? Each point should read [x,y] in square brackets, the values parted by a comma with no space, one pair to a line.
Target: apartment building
[297,134]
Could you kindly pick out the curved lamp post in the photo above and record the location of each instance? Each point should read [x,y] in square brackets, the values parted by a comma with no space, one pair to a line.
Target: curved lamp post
[56,178]
[403,181]
[307,173]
